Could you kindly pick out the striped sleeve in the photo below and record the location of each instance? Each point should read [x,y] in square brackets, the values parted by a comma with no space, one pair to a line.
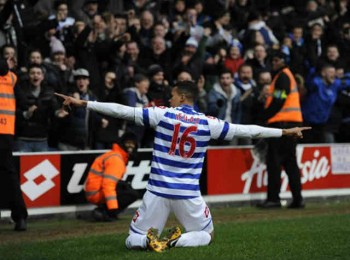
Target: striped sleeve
[220,129]
[149,116]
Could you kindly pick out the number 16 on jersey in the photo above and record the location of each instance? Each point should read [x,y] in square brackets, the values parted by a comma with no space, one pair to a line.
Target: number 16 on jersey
[181,140]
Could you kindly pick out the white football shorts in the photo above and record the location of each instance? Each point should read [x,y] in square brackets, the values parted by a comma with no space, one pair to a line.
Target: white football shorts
[193,214]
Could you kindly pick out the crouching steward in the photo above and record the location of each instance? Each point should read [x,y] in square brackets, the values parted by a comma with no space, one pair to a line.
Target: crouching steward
[104,186]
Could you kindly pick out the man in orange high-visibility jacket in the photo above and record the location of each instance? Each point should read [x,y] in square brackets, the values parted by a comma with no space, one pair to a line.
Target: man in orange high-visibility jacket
[8,174]
[282,110]
[104,186]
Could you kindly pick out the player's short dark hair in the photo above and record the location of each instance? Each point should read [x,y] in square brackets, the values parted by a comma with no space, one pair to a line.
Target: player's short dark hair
[188,88]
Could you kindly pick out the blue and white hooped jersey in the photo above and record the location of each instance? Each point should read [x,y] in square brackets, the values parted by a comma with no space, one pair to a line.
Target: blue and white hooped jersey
[181,140]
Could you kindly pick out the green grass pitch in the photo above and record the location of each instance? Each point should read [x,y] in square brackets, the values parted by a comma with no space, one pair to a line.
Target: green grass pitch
[320,231]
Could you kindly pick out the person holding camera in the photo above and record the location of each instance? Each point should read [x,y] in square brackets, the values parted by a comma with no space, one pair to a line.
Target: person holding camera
[224,101]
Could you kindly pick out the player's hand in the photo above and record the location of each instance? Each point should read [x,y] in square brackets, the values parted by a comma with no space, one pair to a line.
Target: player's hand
[68,101]
[296,132]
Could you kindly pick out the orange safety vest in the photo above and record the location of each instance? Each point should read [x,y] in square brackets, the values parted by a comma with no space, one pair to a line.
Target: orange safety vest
[290,112]
[105,172]
[7,103]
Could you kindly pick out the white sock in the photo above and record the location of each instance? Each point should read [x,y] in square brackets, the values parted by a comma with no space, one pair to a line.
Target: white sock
[194,238]
[136,241]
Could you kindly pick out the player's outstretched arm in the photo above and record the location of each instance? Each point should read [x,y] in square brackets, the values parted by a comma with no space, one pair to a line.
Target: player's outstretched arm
[295,131]
[109,109]
[255,131]
[68,101]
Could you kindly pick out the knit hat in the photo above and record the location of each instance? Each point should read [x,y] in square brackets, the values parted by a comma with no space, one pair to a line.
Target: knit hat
[154,69]
[192,42]
[238,44]
[56,46]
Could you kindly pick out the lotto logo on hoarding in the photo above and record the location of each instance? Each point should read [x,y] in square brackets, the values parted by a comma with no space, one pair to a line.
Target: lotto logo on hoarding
[40,181]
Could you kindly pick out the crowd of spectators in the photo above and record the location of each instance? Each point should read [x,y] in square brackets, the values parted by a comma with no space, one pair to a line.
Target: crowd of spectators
[132,52]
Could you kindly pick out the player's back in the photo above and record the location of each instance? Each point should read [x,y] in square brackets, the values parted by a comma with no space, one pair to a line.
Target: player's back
[181,140]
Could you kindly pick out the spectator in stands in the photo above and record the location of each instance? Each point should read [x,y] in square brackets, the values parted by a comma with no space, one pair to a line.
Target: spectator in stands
[9,53]
[65,23]
[234,58]
[133,57]
[121,25]
[136,96]
[202,17]
[332,56]
[224,99]
[77,128]
[118,62]
[87,51]
[256,23]
[36,107]
[260,61]
[240,11]
[160,30]
[104,186]
[7,30]
[220,34]
[263,86]
[108,132]
[146,31]
[90,8]
[298,50]
[59,72]
[158,54]
[44,37]
[343,105]
[344,39]
[189,59]
[315,45]
[322,92]
[159,91]
[249,97]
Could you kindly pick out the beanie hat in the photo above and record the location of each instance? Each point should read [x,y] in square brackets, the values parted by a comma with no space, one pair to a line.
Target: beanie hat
[56,46]
[192,42]
[238,44]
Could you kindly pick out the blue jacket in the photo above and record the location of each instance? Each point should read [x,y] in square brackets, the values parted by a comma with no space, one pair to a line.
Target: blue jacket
[320,98]
[218,102]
